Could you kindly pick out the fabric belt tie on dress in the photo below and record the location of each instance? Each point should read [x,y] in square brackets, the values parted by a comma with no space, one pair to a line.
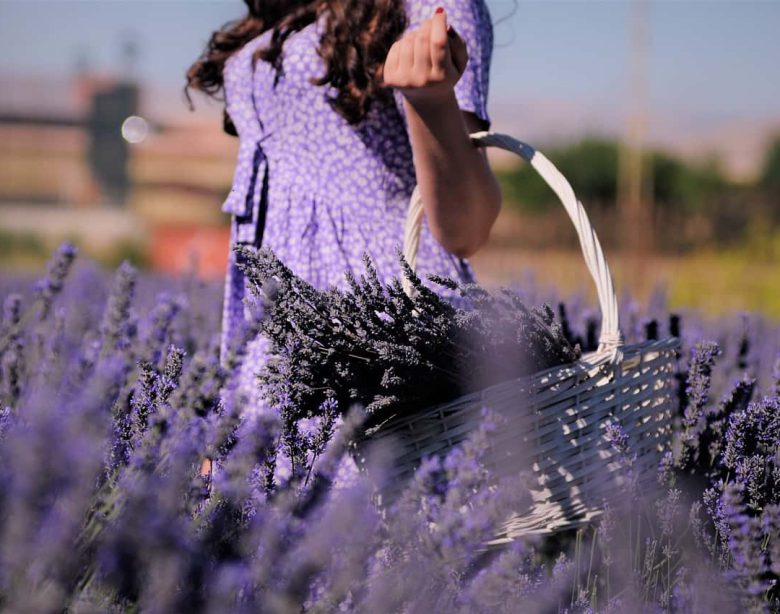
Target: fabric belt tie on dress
[247,199]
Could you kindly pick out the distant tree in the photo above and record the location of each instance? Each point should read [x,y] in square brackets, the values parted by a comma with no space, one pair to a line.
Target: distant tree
[769,182]
[682,190]
[770,174]
[590,166]
[685,186]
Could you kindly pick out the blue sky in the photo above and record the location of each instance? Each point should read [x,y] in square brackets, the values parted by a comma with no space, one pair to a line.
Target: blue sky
[718,57]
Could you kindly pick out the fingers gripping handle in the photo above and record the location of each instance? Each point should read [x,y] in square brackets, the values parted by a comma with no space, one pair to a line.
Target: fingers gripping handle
[610,339]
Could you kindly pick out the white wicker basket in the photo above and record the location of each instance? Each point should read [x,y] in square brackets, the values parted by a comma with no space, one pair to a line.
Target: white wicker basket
[559,414]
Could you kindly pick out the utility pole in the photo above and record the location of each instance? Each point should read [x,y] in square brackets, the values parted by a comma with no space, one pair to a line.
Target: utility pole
[634,187]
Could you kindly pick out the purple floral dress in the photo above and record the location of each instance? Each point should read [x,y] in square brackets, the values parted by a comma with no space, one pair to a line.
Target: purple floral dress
[320,192]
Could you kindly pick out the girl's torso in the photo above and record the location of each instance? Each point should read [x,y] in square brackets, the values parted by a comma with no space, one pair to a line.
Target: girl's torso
[312,187]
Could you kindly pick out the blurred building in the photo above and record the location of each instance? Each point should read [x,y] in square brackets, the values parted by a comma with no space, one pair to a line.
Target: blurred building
[85,158]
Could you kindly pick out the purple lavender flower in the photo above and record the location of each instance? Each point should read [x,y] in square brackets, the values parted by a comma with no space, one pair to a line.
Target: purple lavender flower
[159,327]
[699,381]
[618,439]
[668,510]
[47,288]
[118,328]
[102,507]
[774,389]
[750,562]
[750,452]
[11,351]
[694,421]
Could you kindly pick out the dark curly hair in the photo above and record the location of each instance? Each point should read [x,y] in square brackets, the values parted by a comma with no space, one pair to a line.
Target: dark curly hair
[358,34]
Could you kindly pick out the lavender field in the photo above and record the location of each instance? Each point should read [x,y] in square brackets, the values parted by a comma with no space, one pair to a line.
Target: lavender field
[112,391]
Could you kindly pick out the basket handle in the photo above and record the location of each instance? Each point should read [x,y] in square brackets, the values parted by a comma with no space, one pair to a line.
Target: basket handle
[610,339]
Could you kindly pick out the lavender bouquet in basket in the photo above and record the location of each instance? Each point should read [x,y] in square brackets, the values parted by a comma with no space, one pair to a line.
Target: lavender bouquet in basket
[375,345]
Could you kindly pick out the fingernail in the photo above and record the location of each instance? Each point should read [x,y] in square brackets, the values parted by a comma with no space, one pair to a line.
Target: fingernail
[439,9]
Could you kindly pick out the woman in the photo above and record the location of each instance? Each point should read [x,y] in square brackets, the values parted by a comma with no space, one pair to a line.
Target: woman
[341,107]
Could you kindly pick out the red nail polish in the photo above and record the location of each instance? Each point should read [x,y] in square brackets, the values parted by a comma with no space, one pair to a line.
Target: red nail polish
[439,9]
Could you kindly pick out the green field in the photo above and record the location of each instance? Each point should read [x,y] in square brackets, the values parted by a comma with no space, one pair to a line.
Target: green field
[713,282]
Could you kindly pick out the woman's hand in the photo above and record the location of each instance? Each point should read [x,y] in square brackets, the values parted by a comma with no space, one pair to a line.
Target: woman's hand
[460,194]
[425,64]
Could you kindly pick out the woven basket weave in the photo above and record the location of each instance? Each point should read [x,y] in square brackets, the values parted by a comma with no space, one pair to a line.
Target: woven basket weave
[559,414]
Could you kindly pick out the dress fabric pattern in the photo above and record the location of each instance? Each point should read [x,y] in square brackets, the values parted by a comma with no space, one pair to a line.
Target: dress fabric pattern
[319,191]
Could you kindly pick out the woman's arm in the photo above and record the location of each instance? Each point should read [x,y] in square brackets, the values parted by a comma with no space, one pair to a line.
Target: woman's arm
[460,193]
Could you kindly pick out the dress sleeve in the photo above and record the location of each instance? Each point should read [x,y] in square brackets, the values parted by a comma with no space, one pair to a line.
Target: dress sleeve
[471,20]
